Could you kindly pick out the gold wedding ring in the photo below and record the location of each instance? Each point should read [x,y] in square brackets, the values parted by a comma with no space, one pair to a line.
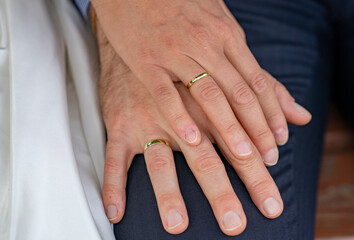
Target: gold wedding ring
[154,141]
[200,76]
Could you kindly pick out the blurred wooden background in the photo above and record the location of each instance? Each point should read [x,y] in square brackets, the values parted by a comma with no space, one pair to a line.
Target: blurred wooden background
[335,204]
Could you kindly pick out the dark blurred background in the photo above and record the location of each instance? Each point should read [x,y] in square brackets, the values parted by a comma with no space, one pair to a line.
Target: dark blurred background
[335,203]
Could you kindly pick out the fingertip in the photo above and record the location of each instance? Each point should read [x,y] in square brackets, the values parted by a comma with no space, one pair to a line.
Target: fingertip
[114,203]
[300,109]
[191,135]
[271,157]
[229,214]
[309,118]
[297,114]
[302,115]
[294,112]
[233,223]
[114,212]
[281,136]
[306,120]
[243,149]
[272,208]
[176,221]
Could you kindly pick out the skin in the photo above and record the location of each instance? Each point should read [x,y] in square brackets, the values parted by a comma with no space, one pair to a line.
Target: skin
[132,117]
[169,41]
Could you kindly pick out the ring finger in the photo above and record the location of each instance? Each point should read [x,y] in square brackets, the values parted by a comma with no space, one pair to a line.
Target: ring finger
[214,103]
[163,176]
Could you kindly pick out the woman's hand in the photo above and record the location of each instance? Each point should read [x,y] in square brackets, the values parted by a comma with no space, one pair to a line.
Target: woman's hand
[132,118]
[169,41]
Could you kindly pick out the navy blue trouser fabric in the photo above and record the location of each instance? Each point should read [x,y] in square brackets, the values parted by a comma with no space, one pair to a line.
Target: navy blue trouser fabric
[297,41]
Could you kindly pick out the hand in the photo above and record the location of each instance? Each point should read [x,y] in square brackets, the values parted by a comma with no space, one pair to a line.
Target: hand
[132,118]
[166,41]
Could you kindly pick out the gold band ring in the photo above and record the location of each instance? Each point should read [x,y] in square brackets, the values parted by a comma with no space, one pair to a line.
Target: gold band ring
[154,141]
[200,76]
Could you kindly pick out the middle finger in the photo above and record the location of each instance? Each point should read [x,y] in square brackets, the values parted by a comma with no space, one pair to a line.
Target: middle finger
[246,107]
[162,172]
[210,173]
[214,103]
[256,177]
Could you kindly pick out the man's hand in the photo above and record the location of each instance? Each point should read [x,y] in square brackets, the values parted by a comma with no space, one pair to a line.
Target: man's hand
[169,41]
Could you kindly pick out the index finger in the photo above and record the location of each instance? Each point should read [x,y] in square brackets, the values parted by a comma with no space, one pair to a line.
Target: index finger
[166,96]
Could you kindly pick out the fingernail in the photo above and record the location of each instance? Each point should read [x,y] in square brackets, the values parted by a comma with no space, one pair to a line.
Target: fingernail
[231,221]
[174,219]
[244,149]
[300,108]
[271,157]
[191,136]
[271,207]
[112,212]
[281,136]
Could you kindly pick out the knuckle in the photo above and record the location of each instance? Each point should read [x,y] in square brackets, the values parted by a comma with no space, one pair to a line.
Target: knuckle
[112,166]
[207,163]
[167,198]
[276,117]
[242,33]
[225,26]
[279,87]
[114,163]
[209,91]
[231,128]
[146,55]
[113,118]
[282,92]
[158,163]
[163,93]
[110,189]
[259,186]
[170,42]
[263,133]
[177,118]
[260,83]
[200,35]
[246,162]
[243,95]
[223,198]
